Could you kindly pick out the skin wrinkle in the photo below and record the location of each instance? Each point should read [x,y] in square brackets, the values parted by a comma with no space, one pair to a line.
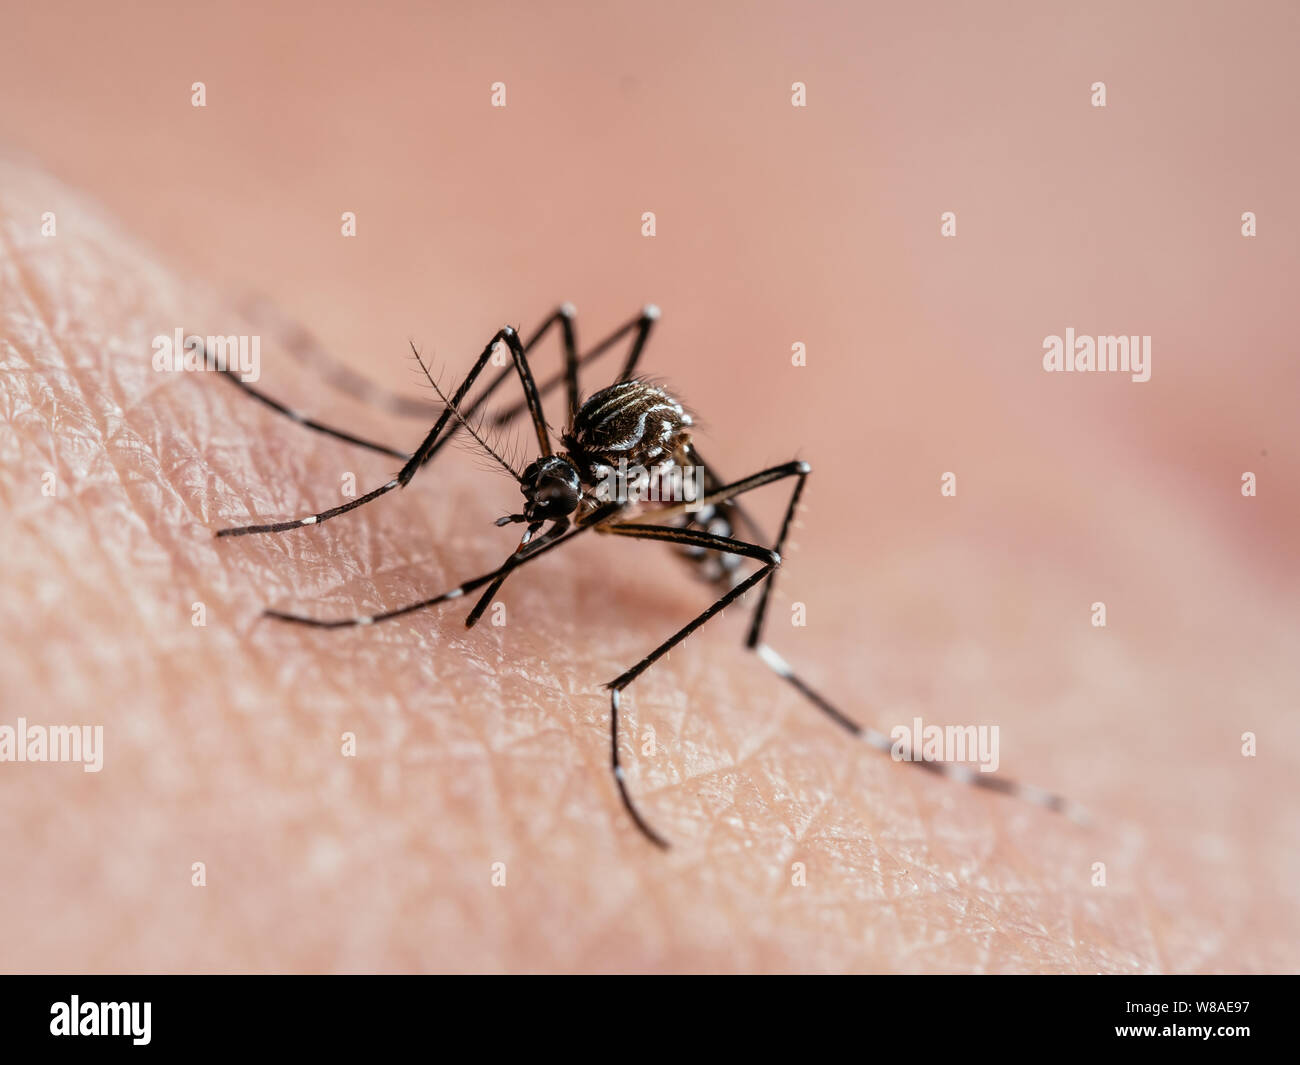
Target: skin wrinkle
[249,716]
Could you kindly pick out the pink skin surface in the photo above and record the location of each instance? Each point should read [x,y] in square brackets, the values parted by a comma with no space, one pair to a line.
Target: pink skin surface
[774,225]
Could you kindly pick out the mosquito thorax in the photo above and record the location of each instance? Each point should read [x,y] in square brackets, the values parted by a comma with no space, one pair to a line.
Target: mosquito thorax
[635,421]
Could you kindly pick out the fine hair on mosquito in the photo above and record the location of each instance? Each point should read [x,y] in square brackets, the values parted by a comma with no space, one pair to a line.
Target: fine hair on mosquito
[632,423]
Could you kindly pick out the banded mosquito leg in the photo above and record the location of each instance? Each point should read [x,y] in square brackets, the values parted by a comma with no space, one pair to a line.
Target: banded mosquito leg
[689,537]
[727,493]
[879,740]
[640,325]
[431,442]
[306,347]
[565,316]
[775,662]
[600,514]
[753,640]
[297,416]
[520,367]
[643,324]
[533,550]
[554,531]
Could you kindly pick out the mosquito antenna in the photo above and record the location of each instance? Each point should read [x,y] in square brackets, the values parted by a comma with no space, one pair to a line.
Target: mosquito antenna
[461,418]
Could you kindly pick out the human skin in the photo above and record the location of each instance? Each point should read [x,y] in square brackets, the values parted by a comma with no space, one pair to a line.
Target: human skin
[224,741]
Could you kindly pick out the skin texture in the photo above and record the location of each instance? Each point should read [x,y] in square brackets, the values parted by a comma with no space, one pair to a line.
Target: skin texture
[490,746]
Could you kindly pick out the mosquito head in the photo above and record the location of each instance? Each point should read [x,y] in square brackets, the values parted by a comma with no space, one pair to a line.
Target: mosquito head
[552,489]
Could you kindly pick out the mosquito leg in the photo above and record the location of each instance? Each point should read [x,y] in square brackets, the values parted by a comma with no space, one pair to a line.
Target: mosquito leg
[601,514]
[693,537]
[531,401]
[302,419]
[727,493]
[879,740]
[305,347]
[565,316]
[760,611]
[554,531]
[649,315]
[954,770]
[533,550]
[640,325]
[531,396]
[712,482]
[431,442]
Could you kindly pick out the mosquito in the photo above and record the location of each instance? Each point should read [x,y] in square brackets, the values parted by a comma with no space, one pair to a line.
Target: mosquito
[565,494]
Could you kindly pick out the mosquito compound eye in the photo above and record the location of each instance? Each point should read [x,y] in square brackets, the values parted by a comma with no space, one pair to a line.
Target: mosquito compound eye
[558,492]
[552,487]
[558,495]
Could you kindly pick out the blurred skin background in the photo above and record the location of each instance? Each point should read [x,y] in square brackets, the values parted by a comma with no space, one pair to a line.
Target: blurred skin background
[774,225]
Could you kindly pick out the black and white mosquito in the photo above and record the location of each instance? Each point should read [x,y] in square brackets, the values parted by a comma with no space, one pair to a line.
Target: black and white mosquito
[631,423]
